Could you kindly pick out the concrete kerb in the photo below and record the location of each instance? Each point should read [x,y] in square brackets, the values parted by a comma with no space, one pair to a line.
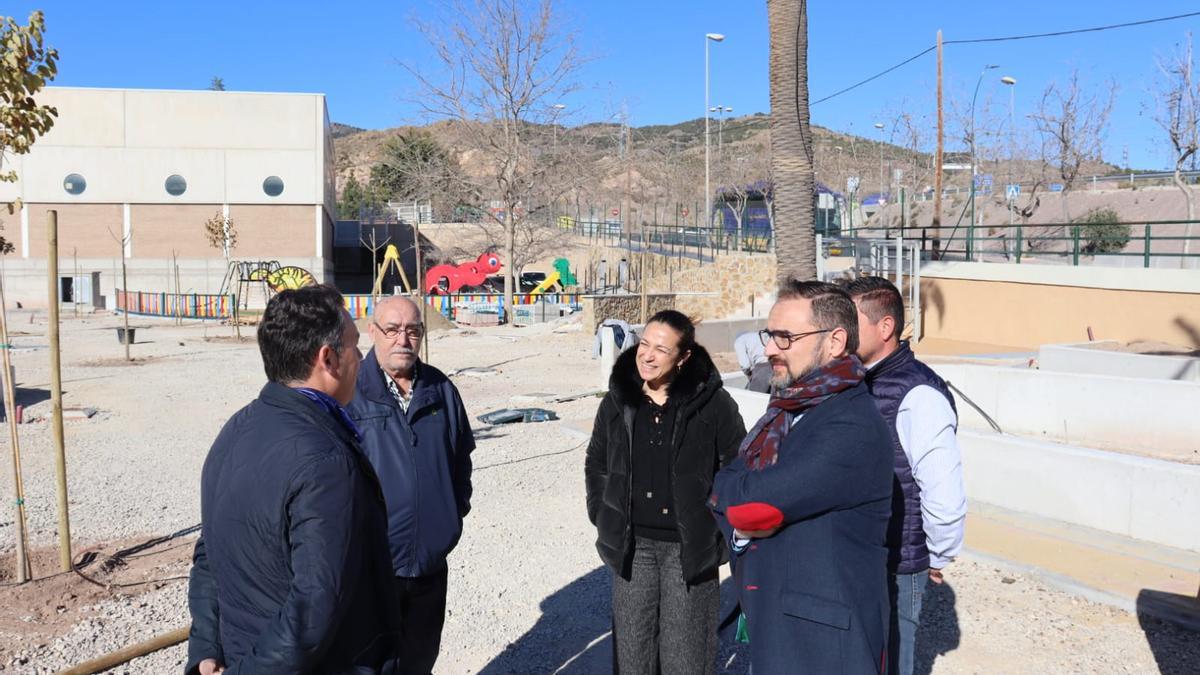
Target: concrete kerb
[1094,411]
[1093,359]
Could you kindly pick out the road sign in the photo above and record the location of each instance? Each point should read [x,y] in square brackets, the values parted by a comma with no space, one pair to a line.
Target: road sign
[1056,187]
[852,184]
[616,212]
[1012,191]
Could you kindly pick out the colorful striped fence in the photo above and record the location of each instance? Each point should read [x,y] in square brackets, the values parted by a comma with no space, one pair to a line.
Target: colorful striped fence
[446,303]
[361,306]
[190,305]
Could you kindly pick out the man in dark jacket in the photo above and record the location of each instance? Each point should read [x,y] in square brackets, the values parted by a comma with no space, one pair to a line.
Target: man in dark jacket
[418,438]
[807,502]
[291,571]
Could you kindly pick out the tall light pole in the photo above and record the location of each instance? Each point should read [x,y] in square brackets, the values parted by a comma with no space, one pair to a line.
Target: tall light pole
[879,200]
[974,162]
[1012,88]
[708,37]
[720,110]
[558,108]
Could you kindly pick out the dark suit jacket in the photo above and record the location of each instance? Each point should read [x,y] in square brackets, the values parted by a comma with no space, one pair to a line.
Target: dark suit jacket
[815,594]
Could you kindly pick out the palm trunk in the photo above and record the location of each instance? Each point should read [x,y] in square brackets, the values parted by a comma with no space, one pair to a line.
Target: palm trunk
[791,140]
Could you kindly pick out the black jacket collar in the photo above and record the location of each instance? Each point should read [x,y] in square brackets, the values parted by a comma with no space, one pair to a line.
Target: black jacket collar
[695,383]
[283,396]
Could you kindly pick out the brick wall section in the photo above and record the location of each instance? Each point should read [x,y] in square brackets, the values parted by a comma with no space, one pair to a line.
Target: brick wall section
[160,228]
[732,278]
[84,227]
[597,308]
[275,231]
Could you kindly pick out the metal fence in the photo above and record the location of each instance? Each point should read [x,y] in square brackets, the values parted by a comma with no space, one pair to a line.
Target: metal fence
[1071,243]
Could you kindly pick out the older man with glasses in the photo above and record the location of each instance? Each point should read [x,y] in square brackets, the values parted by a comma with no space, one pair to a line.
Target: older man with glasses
[806,503]
[417,436]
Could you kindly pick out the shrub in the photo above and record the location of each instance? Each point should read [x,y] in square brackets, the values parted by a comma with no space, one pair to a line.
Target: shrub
[1101,231]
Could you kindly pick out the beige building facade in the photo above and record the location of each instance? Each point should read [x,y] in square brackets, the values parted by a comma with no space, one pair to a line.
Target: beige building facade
[150,167]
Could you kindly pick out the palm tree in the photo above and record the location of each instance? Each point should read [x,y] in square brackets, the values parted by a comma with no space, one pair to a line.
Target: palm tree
[791,141]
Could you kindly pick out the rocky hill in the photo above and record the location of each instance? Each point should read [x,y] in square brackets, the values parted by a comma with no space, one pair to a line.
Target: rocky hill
[667,161]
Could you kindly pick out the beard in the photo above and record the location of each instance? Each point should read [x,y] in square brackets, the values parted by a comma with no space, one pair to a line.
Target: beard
[789,379]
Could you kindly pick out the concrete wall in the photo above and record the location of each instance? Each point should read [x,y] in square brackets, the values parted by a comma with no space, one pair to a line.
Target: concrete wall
[25,281]
[1146,416]
[125,143]
[1142,498]
[1092,358]
[718,336]
[1029,305]
[1136,497]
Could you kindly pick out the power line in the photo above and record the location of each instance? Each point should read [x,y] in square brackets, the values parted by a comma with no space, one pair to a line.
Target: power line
[1008,38]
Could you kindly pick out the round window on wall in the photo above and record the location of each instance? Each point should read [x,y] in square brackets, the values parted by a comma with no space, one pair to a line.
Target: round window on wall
[74,184]
[273,186]
[175,185]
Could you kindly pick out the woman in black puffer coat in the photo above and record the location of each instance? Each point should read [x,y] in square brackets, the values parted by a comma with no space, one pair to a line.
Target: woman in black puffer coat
[662,432]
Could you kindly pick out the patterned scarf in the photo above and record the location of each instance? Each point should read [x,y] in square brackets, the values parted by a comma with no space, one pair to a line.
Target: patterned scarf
[761,447]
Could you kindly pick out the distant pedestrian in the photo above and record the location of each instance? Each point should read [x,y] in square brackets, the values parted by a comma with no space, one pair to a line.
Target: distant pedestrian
[665,426]
[929,504]
[291,573]
[807,502]
[752,358]
[418,437]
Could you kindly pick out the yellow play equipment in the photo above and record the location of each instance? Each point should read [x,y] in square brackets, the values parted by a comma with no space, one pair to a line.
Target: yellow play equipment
[546,285]
[391,258]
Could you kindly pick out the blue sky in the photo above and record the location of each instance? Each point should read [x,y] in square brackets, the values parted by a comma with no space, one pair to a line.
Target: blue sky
[648,55]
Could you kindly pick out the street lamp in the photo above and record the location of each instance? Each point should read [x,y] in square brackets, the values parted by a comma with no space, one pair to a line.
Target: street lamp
[879,200]
[1012,88]
[558,108]
[720,110]
[974,163]
[708,37]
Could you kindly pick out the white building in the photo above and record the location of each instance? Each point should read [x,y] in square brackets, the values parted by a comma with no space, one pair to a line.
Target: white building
[151,167]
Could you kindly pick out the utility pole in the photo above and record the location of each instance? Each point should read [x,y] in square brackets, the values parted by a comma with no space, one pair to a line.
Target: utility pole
[937,176]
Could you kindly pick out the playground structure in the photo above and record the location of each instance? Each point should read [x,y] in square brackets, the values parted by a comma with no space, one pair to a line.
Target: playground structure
[561,277]
[391,260]
[446,279]
[268,274]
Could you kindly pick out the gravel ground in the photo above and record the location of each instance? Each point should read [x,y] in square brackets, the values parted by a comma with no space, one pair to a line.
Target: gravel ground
[527,592]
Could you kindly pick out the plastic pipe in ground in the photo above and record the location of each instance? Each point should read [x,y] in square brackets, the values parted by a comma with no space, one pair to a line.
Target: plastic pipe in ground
[127,654]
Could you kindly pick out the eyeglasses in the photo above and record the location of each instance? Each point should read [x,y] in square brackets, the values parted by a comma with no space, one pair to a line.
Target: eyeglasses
[414,332]
[784,339]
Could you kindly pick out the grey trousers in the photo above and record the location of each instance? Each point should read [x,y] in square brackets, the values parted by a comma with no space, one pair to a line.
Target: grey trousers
[661,624]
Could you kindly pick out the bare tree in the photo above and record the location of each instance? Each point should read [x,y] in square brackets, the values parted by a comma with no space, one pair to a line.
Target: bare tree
[504,65]
[1177,111]
[1072,125]
[741,176]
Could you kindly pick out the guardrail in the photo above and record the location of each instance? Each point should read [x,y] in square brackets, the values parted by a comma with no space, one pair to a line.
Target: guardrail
[1067,242]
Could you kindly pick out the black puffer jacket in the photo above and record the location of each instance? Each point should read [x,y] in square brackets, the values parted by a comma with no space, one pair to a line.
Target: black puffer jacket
[706,433]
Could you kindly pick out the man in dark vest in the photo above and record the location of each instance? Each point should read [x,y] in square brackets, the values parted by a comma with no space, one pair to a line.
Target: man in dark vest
[929,505]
